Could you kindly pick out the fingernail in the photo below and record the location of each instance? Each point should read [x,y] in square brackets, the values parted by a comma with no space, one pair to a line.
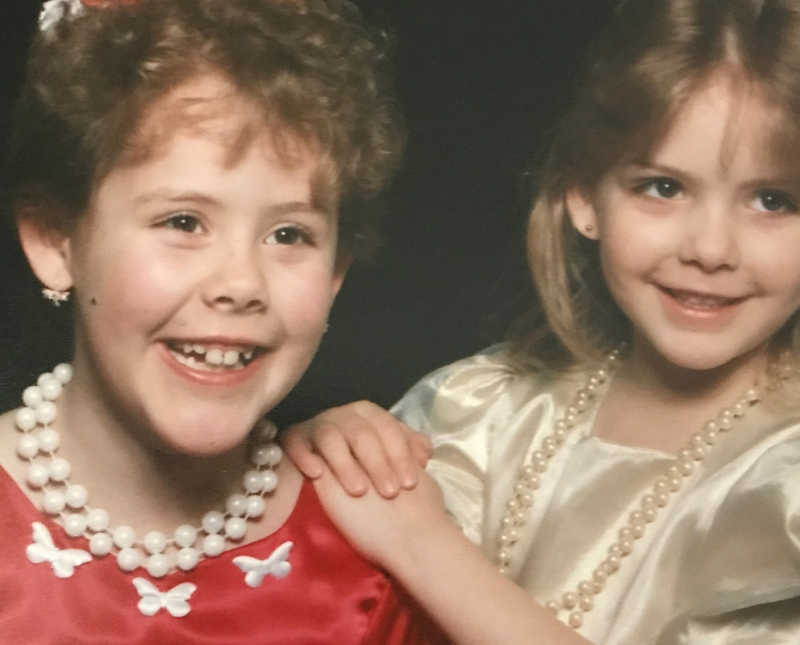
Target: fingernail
[358,487]
[409,480]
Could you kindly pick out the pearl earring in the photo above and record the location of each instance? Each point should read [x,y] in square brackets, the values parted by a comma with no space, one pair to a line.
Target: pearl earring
[55,297]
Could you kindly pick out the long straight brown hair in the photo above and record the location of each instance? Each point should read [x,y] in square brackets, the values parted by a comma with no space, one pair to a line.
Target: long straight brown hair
[641,69]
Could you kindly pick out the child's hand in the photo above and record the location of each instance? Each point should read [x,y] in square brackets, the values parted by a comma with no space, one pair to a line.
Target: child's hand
[361,442]
[384,531]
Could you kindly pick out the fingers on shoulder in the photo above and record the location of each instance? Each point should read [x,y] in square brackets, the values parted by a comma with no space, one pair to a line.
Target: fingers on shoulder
[297,444]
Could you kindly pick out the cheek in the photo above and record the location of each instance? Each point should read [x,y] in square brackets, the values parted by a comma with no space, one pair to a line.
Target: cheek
[785,279]
[617,259]
[774,261]
[638,245]
[128,285]
[302,299]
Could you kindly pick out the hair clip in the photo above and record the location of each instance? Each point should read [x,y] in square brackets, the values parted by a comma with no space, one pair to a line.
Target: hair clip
[53,11]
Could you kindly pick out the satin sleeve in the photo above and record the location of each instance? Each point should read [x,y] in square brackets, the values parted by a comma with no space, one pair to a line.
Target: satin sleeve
[458,406]
[743,587]
[723,566]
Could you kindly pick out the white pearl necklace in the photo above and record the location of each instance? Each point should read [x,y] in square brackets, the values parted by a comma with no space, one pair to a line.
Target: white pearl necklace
[68,502]
[575,603]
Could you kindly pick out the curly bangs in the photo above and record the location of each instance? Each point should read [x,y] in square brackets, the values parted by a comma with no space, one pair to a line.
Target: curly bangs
[313,69]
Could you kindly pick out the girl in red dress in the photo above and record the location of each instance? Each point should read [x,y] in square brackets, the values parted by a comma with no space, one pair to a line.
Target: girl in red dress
[176,175]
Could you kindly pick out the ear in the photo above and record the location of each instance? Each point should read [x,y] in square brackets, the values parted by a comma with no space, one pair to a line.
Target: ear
[582,213]
[343,263]
[47,252]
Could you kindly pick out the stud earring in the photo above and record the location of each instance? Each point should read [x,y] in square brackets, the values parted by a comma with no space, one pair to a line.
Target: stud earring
[55,297]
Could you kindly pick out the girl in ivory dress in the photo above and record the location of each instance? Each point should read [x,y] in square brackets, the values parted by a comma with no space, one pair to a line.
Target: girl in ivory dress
[177,174]
[631,459]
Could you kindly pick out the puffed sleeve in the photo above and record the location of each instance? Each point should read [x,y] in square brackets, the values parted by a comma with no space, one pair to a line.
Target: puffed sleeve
[457,406]
[743,585]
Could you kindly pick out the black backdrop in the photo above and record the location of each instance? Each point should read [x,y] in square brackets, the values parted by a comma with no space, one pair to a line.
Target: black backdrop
[480,82]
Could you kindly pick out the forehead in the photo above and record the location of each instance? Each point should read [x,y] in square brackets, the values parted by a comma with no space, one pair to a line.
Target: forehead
[730,122]
[209,106]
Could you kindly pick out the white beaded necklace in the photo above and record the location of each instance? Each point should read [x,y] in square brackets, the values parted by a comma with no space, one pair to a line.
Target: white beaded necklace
[573,604]
[68,502]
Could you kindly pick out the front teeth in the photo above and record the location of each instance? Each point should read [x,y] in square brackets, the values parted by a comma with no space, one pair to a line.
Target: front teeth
[218,357]
[215,357]
[189,361]
[199,356]
[700,301]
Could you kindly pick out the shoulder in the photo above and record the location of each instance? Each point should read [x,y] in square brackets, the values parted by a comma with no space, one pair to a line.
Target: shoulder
[755,498]
[758,483]
[476,385]
[768,458]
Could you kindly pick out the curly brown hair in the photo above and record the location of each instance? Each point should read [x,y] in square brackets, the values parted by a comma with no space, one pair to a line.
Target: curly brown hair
[314,69]
[641,70]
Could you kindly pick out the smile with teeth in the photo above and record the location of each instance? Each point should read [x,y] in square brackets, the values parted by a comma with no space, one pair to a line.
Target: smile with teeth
[213,358]
[694,300]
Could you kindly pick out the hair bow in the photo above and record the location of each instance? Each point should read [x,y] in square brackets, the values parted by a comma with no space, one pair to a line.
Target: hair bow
[53,11]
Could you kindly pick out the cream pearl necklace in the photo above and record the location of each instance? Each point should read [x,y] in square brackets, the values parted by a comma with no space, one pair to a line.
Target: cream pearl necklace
[574,603]
[67,503]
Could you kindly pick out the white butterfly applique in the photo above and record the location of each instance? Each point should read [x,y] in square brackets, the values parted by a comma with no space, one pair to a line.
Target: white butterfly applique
[43,549]
[276,565]
[55,10]
[175,601]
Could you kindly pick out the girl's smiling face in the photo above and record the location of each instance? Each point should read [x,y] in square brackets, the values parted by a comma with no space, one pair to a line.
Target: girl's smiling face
[202,284]
[699,243]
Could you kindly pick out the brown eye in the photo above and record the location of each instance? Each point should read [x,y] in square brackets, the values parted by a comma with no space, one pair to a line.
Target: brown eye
[661,187]
[183,222]
[774,201]
[287,235]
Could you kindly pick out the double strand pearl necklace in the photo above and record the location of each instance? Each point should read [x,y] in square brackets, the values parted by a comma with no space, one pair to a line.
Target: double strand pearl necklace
[158,553]
[575,603]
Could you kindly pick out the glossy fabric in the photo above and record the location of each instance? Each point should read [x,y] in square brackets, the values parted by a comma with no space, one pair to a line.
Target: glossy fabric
[331,596]
[721,563]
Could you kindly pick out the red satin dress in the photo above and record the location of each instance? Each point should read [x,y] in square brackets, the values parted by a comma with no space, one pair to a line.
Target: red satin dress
[331,595]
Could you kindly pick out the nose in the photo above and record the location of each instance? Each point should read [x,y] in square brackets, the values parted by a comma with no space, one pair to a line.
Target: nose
[236,282]
[709,239]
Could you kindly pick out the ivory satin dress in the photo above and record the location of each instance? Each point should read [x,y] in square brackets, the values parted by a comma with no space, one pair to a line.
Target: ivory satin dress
[719,564]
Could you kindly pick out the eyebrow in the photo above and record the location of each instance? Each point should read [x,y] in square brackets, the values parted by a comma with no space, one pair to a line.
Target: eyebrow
[777,180]
[646,164]
[163,194]
[275,210]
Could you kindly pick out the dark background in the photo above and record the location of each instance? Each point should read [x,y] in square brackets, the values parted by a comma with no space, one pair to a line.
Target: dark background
[480,83]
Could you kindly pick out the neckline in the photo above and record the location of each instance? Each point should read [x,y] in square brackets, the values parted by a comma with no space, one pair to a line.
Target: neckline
[586,429]
[304,491]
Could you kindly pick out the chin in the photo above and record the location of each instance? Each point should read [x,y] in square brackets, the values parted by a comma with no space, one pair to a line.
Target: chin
[700,364]
[700,359]
[204,437]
